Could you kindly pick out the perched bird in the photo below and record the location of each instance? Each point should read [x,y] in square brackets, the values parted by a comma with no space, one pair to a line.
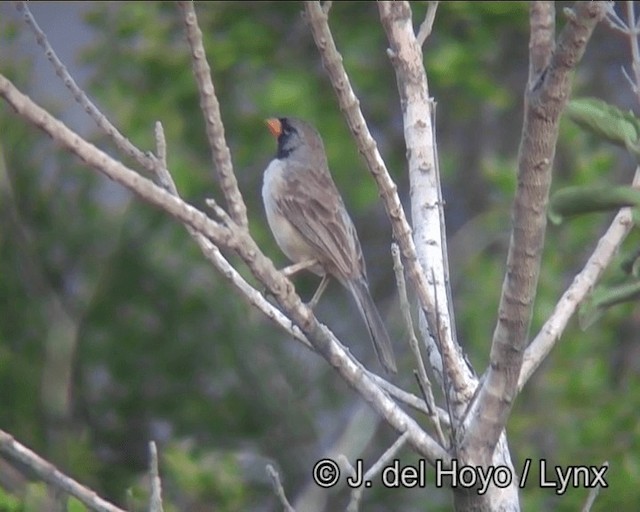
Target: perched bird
[311,225]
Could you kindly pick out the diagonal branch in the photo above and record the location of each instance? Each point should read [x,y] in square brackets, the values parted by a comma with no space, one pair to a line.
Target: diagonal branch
[608,244]
[402,232]
[582,284]
[215,257]
[547,93]
[121,142]
[427,25]
[213,121]
[238,240]
[47,472]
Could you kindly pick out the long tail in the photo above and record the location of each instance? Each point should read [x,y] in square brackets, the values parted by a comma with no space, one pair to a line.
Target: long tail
[377,330]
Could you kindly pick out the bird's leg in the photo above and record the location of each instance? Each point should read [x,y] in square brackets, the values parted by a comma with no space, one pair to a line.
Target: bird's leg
[297,267]
[303,265]
[321,287]
[294,269]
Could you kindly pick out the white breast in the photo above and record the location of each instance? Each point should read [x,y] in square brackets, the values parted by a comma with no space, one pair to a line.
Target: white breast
[287,237]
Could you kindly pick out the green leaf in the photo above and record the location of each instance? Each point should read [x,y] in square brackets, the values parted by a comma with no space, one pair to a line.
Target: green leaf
[606,121]
[9,503]
[630,263]
[578,200]
[605,297]
[74,505]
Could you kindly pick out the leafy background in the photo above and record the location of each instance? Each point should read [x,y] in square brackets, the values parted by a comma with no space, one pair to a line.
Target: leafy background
[115,331]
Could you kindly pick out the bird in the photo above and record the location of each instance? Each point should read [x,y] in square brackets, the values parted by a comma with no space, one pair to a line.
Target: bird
[311,225]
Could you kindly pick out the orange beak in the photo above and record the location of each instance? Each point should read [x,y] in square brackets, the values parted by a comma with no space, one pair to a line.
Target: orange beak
[275,126]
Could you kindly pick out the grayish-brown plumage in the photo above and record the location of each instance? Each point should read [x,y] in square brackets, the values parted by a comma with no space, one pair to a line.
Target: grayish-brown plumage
[310,222]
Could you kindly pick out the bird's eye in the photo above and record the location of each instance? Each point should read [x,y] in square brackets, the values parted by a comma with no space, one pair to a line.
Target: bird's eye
[287,129]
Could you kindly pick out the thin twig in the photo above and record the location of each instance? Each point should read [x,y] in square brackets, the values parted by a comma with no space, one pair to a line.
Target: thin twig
[222,215]
[632,85]
[635,47]
[427,25]
[164,176]
[593,494]
[215,257]
[47,472]
[121,142]
[614,21]
[279,489]
[213,122]
[423,378]
[582,284]
[445,384]
[356,494]
[409,399]
[155,502]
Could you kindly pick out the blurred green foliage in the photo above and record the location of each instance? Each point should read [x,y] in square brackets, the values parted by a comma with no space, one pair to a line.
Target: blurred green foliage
[164,350]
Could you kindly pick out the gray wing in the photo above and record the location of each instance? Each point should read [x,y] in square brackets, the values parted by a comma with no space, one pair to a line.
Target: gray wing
[312,204]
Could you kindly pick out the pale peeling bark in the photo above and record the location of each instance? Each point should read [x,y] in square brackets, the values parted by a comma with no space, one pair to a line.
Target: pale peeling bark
[429,236]
[426,200]
[417,267]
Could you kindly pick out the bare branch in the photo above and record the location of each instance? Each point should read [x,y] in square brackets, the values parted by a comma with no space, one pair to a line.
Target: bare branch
[47,472]
[155,501]
[582,284]
[239,241]
[278,489]
[215,257]
[349,104]
[614,21]
[164,177]
[603,254]
[426,202]
[635,48]
[391,452]
[545,98]
[427,25]
[593,494]
[608,244]
[213,122]
[402,232]
[161,144]
[122,143]
[423,378]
